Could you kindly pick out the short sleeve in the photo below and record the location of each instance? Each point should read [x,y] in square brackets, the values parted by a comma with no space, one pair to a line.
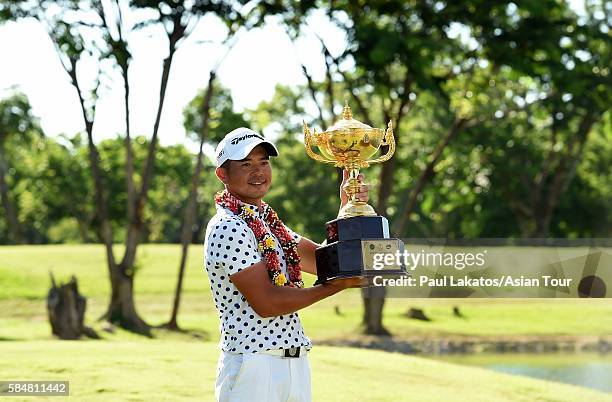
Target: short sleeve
[232,246]
[293,234]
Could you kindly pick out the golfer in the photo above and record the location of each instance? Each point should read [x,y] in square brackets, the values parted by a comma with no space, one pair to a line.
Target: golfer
[255,263]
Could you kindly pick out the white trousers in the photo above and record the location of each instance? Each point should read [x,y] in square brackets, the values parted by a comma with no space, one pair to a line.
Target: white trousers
[258,377]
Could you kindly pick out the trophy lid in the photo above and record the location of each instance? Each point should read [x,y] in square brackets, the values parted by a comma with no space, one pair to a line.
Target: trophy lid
[347,122]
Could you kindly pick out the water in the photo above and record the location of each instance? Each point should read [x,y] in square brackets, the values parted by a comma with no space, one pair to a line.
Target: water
[586,370]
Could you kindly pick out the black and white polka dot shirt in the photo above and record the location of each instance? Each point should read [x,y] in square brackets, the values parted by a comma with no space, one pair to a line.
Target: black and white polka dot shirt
[230,247]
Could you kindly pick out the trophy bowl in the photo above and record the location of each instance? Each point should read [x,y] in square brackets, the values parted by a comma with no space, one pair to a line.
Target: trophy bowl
[348,145]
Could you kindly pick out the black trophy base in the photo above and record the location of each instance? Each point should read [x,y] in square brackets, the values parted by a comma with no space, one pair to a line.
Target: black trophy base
[357,227]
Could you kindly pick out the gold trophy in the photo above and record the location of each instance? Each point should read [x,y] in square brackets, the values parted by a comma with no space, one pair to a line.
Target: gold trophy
[358,233]
[349,144]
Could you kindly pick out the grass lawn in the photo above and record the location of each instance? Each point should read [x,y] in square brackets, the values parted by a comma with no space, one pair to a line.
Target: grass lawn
[24,282]
[169,370]
[182,366]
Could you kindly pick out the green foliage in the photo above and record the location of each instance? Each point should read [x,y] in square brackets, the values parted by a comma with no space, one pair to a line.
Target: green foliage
[51,179]
[51,187]
[585,210]
[18,128]
[17,122]
[169,188]
[222,118]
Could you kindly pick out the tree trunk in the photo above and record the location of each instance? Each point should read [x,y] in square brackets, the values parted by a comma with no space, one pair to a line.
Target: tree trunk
[190,211]
[313,95]
[129,152]
[83,224]
[122,310]
[105,231]
[121,307]
[11,215]
[373,303]
[135,225]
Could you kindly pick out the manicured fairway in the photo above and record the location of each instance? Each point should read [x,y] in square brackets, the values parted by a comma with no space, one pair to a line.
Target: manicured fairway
[173,367]
[170,370]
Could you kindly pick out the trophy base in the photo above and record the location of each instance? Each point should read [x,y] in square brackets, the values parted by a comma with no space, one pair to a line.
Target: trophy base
[357,227]
[356,208]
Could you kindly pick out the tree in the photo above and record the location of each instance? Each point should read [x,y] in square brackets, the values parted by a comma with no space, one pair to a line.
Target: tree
[19,126]
[64,197]
[561,61]
[575,96]
[399,51]
[404,49]
[70,27]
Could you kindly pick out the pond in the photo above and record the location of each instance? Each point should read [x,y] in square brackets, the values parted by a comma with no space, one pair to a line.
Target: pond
[586,370]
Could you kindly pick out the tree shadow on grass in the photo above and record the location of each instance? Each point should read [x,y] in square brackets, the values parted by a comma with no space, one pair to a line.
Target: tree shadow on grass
[7,339]
[163,331]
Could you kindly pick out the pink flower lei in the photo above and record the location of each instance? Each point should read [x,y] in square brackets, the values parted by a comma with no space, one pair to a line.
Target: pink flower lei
[265,241]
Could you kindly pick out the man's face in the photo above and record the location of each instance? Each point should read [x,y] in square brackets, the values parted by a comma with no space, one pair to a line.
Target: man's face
[250,178]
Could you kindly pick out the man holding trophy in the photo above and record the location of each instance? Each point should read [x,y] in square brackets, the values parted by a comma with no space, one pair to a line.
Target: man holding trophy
[254,264]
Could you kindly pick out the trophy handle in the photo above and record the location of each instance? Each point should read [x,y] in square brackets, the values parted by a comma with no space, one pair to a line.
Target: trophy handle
[389,140]
[308,142]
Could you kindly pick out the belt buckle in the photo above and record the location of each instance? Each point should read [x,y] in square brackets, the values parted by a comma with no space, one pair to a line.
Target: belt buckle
[292,352]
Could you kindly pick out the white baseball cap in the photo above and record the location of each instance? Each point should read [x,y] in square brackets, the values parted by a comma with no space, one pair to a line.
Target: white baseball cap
[238,144]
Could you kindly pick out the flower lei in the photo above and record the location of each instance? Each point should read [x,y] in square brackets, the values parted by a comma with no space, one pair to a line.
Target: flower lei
[266,241]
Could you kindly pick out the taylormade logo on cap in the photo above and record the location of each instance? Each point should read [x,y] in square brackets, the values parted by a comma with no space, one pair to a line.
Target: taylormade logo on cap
[238,143]
[244,137]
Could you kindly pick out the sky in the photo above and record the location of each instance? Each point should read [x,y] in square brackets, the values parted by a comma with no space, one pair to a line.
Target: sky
[259,60]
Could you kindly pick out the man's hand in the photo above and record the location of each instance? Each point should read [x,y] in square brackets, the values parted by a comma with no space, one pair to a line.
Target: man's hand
[364,189]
